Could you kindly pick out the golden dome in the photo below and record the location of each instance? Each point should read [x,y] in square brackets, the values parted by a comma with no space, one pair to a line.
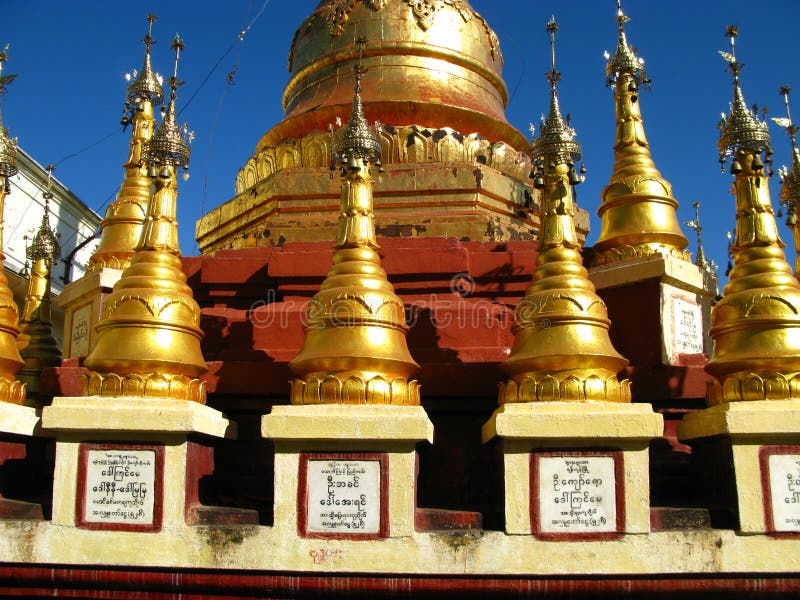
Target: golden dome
[431,63]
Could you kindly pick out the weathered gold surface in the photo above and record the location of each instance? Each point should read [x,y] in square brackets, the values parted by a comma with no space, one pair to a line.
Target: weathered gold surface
[11,362]
[36,344]
[122,224]
[638,212]
[561,351]
[149,337]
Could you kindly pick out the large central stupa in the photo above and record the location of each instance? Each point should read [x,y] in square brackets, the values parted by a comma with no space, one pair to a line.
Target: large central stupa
[454,166]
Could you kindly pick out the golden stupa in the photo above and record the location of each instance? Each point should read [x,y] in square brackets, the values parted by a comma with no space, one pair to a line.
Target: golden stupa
[355,351]
[122,225]
[562,350]
[638,213]
[36,343]
[755,326]
[11,390]
[149,336]
[434,81]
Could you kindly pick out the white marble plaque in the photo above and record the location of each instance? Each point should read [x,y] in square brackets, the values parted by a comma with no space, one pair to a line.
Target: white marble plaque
[688,327]
[79,335]
[344,496]
[577,494]
[120,486]
[784,487]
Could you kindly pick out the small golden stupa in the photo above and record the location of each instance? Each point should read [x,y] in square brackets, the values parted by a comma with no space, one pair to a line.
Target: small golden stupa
[790,178]
[149,337]
[355,350]
[562,350]
[36,344]
[122,225]
[755,326]
[638,213]
[11,390]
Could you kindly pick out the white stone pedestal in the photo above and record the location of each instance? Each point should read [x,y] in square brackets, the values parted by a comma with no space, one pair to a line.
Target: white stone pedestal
[125,463]
[345,471]
[575,470]
[758,443]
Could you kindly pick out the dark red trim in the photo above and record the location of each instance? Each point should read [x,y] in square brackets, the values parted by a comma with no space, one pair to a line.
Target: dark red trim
[190,584]
[158,500]
[763,459]
[302,494]
[619,472]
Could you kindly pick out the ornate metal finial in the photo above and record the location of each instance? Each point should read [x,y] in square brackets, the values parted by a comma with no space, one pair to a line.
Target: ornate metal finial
[357,140]
[146,85]
[170,144]
[700,261]
[624,59]
[790,176]
[45,243]
[556,139]
[741,130]
[8,146]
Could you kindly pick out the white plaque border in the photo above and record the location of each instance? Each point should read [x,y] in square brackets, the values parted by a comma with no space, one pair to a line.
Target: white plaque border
[302,494]
[158,502]
[763,458]
[619,473]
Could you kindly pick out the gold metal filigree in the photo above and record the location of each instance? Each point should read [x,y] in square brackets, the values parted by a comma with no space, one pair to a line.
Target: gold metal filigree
[569,388]
[150,385]
[354,389]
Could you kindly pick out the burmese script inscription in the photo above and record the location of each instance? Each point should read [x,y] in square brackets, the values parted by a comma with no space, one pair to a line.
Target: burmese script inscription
[81,318]
[577,494]
[344,496]
[120,486]
[688,326]
[784,483]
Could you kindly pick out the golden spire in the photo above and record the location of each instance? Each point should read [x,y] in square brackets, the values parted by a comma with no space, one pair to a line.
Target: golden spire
[11,390]
[790,177]
[638,211]
[149,337]
[36,344]
[123,221]
[755,328]
[561,351]
[355,351]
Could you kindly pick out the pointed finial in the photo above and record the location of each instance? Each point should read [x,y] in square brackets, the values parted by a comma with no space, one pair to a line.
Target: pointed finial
[624,59]
[146,84]
[556,139]
[357,140]
[8,146]
[741,130]
[170,144]
[790,176]
[700,261]
[45,243]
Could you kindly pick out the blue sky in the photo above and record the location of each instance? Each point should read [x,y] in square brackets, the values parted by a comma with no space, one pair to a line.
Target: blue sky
[71,58]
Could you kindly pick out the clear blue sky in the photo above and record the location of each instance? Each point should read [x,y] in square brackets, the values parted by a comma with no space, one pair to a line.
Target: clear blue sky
[71,58]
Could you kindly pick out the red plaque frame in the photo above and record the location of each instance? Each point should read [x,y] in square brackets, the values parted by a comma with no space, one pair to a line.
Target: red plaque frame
[302,494]
[764,452]
[619,493]
[158,500]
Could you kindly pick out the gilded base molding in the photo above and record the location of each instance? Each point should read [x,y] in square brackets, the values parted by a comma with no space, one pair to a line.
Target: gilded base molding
[753,386]
[353,389]
[12,391]
[565,387]
[633,252]
[150,385]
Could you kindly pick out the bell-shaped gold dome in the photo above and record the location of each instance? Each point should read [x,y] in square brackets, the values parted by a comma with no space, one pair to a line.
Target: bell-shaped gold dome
[436,64]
